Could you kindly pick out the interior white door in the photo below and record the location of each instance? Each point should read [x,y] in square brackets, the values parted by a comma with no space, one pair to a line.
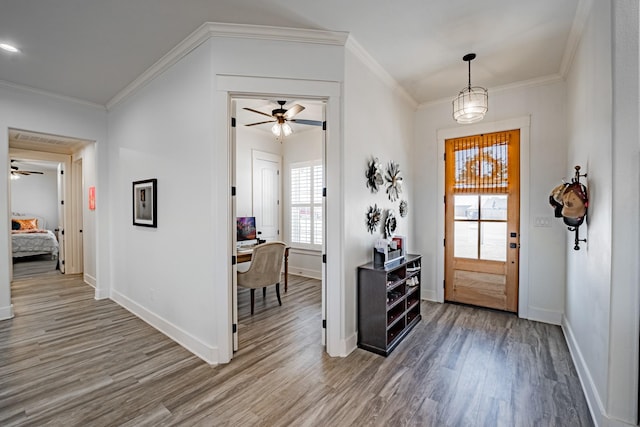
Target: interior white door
[232,227]
[266,194]
[324,231]
[61,212]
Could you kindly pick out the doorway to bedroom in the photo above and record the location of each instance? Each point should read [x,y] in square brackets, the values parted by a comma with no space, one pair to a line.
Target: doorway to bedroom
[279,181]
[46,200]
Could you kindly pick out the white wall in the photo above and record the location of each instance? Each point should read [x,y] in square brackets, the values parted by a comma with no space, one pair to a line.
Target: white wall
[89,217]
[37,194]
[543,268]
[300,147]
[601,317]
[166,274]
[378,122]
[177,276]
[34,111]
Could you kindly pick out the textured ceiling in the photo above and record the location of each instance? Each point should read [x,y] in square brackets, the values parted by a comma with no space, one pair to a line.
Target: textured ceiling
[91,49]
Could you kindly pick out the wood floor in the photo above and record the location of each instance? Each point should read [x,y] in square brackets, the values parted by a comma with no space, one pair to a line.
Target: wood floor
[69,360]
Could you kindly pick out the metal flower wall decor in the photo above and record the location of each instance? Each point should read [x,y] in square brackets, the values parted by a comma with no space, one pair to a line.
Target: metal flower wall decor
[373,218]
[394,181]
[390,224]
[374,175]
[403,208]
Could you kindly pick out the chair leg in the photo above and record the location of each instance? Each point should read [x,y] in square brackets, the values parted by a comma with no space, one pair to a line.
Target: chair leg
[278,292]
[253,298]
[264,292]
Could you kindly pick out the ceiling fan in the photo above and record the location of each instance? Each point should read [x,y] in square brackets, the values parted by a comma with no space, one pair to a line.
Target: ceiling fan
[280,116]
[15,171]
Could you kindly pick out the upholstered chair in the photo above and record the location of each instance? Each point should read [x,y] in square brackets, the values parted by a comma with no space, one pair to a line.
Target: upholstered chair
[266,264]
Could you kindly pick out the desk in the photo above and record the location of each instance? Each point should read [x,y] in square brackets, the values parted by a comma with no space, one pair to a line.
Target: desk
[245,256]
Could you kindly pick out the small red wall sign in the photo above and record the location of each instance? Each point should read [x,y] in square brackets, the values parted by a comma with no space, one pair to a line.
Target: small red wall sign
[92,198]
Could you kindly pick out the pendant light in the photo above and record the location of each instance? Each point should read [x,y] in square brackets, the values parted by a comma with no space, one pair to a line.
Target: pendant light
[472,103]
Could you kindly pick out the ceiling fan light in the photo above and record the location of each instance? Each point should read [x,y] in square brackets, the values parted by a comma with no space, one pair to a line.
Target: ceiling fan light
[276,130]
[286,129]
[471,105]
[14,177]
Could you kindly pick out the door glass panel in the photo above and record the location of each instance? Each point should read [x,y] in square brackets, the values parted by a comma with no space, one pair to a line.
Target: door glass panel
[466,239]
[465,206]
[494,207]
[493,243]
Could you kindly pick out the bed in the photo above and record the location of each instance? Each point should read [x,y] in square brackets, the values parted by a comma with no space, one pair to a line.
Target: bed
[29,237]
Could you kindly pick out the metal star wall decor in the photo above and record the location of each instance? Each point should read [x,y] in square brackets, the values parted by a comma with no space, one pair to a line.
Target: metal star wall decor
[374,175]
[403,208]
[390,224]
[373,218]
[394,181]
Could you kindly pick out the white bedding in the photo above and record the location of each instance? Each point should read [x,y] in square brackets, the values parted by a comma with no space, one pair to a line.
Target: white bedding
[28,244]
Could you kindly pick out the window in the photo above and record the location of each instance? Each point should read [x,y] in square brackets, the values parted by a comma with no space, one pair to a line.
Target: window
[306,204]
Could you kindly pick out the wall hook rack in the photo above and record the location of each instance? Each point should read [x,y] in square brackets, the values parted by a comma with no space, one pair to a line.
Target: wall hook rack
[577,240]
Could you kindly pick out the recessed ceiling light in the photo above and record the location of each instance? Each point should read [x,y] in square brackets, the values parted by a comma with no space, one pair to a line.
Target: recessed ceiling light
[9,48]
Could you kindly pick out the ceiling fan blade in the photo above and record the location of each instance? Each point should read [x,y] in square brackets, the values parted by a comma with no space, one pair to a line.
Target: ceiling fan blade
[261,123]
[293,111]
[256,111]
[307,122]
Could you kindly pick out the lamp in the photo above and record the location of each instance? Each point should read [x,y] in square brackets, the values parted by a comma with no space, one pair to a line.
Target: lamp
[471,104]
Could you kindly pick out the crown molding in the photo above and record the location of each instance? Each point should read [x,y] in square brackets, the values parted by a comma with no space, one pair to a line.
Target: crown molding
[540,81]
[357,49]
[262,32]
[23,88]
[577,28]
[215,29]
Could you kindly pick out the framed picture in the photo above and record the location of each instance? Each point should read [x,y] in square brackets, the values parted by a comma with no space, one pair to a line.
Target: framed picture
[145,203]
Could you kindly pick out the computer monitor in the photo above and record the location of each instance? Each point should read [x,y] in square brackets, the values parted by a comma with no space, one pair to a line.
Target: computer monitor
[246,230]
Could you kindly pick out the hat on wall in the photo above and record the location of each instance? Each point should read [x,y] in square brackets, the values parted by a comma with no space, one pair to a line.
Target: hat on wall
[574,204]
[555,199]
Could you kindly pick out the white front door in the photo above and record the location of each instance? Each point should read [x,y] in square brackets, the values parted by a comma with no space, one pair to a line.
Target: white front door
[266,194]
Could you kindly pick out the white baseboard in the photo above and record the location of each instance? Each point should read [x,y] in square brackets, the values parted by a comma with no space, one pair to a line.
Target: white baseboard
[305,272]
[544,315]
[6,312]
[89,280]
[428,294]
[348,345]
[102,294]
[207,353]
[586,380]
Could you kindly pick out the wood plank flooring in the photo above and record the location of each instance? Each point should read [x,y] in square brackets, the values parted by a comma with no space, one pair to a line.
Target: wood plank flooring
[69,360]
[34,266]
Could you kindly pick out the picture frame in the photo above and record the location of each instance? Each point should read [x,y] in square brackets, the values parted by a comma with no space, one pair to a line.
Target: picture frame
[145,203]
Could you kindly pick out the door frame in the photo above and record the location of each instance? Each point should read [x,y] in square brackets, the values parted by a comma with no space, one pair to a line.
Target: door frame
[226,88]
[77,217]
[523,124]
[66,220]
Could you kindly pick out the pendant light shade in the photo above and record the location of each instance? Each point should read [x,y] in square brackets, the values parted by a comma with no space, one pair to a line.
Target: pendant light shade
[472,103]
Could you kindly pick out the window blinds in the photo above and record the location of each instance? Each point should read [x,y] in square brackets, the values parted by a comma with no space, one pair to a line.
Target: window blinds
[481,164]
